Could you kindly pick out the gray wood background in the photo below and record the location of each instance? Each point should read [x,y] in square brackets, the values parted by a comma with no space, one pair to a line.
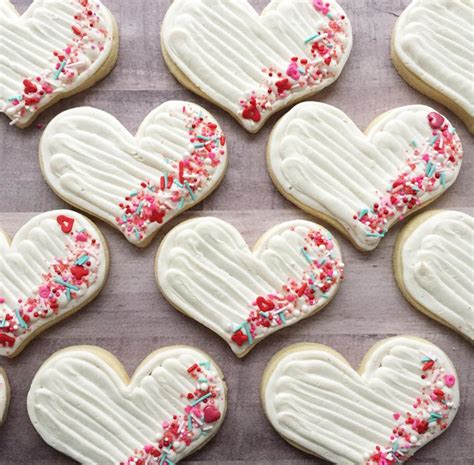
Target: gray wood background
[131,319]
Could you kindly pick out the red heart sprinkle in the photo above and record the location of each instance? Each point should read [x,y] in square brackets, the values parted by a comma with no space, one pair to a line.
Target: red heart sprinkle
[30,87]
[283,85]
[66,223]
[265,305]
[239,338]
[211,414]
[79,272]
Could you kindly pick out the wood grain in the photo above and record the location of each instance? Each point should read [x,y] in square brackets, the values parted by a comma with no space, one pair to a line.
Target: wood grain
[131,318]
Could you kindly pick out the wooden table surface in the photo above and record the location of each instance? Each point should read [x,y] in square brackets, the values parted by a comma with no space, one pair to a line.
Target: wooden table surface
[130,318]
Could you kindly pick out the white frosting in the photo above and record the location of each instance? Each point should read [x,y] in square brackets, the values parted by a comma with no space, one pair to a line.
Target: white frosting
[319,157]
[93,162]
[28,44]
[81,405]
[438,268]
[3,395]
[39,254]
[315,400]
[433,39]
[224,47]
[205,268]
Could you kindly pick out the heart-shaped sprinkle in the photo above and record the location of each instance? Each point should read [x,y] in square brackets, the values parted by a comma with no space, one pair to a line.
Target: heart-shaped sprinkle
[251,65]
[382,415]
[434,265]
[58,273]
[81,42]
[432,50]
[205,269]
[137,184]
[66,223]
[174,404]
[320,160]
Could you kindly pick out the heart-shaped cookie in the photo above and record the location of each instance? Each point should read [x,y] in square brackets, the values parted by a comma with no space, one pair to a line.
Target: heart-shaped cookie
[207,271]
[56,264]
[84,405]
[54,50]
[4,395]
[136,184]
[434,266]
[363,183]
[405,394]
[253,66]
[432,50]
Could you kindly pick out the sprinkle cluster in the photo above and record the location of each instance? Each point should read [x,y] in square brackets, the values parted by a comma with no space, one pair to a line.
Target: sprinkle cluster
[182,430]
[88,38]
[321,63]
[425,172]
[296,297]
[67,277]
[180,184]
[429,417]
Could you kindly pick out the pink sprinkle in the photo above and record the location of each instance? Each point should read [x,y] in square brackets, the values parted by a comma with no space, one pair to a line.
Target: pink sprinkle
[44,292]
[396,416]
[81,237]
[450,380]
[166,424]
[293,71]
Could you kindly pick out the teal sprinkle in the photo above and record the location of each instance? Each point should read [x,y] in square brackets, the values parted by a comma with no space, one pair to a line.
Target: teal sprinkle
[324,296]
[206,365]
[202,380]
[81,230]
[15,97]
[330,16]
[306,256]
[68,294]
[140,208]
[311,38]
[426,359]
[395,446]
[436,415]
[375,235]
[453,130]
[163,458]
[413,143]
[301,70]
[137,234]
[20,319]
[181,203]
[65,284]
[239,327]
[363,212]
[329,45]
[133,193]
[190,423]
[199,146]
[264,314]
[204,138]
[124,218]
[83,260]
[198,401]
[60,70]
[282,317]
[443,179]
[434,139]
[4,322]
[249,333]
[178,184]
[191,193]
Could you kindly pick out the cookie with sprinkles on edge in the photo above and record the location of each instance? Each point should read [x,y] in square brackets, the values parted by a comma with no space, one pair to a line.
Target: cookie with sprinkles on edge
[404,395]
[205,269]
[54,50]
[56,264]
[363,184]
[139,183]
[172,406]
[254,65]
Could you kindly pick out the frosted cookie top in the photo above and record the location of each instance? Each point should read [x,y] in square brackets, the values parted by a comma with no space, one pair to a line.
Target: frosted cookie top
[253,65]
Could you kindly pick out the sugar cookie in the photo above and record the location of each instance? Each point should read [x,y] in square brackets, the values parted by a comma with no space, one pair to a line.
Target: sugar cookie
[432,50]
[433,263]
[136,184]
[253,66]
[363,184]
[83,404]
[207,271]
[57,263]
[405,394]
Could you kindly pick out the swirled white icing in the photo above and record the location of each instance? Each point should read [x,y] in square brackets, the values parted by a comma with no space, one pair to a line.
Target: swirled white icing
[136,184]
[56,263]
[438,268]
[4,393]
[82,404]
[433,39]
[366,182]
[205,269]
[253,65]
[52,50]
[406,394]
